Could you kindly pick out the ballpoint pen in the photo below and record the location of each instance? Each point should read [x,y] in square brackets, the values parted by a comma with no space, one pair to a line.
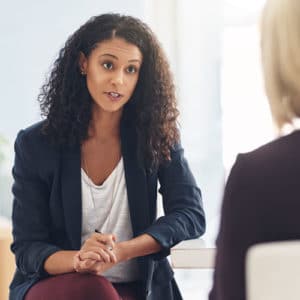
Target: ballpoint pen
[108,247]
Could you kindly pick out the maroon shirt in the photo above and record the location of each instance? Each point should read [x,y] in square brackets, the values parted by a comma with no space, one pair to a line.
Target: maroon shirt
[261,204]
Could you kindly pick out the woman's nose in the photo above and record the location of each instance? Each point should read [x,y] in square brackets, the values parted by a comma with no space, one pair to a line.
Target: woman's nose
[118,78]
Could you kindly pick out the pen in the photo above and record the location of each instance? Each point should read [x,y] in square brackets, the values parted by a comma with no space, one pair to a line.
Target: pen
[109,247]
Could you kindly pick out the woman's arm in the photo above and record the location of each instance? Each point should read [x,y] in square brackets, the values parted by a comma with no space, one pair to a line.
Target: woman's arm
[88,259]
[142,245]
[31,219]
[97,248]
[184,215]
[60,262]
[138,246]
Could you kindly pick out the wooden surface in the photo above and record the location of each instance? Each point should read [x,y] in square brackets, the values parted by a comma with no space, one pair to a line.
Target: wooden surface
[7,262]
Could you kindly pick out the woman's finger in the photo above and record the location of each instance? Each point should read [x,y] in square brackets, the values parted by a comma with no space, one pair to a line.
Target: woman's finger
[107,239]
[96,243]
[79,267]
[105,252]
[111,254]
[100,268]
[98,254]
[89,255]
[108,251]
[76,261]
[88,263]
[104,255]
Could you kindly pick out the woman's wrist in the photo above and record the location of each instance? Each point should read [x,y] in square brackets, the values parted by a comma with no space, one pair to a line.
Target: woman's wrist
[122,251]
[138,246]
[60,262]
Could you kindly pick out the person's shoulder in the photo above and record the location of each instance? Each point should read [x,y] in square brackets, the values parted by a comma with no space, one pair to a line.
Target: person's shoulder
[177,148]
[32,131]
[33,139]
[280,149]
[271,159]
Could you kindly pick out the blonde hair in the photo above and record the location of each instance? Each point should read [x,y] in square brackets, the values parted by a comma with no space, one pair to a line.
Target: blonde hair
[280,49]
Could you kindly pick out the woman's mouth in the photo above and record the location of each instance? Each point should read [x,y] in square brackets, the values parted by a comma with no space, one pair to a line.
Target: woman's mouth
[114,96]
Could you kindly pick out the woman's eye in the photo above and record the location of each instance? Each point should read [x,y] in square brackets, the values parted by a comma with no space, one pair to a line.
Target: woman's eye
[131,69]
[108,65]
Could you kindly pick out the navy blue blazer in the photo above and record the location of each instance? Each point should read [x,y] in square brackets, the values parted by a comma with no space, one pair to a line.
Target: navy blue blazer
[47,208]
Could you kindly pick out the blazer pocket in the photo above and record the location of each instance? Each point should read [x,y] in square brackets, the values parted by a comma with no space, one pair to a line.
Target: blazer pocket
[163,272]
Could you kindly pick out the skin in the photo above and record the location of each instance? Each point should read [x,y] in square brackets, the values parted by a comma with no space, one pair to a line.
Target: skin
[113,66]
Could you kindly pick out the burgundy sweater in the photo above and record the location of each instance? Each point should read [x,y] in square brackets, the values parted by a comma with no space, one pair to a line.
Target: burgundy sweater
[261,204]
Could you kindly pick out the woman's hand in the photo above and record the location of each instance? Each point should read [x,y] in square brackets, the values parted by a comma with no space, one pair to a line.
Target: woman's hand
[88,262]
[96,254]
[101,244]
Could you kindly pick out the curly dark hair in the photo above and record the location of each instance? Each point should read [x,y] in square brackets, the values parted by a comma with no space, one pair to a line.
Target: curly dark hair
[67,105]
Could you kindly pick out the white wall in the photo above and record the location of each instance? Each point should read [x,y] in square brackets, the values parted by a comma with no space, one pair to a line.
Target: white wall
[199,37]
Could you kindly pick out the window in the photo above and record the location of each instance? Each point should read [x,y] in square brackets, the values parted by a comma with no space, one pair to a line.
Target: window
[246,118]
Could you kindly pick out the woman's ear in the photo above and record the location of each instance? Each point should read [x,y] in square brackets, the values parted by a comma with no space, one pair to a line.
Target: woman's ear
[82,63]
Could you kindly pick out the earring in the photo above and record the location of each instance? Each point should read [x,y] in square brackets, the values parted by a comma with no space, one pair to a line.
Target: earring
[82,72]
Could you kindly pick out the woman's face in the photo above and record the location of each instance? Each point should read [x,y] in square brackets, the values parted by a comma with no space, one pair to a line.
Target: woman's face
[112,71]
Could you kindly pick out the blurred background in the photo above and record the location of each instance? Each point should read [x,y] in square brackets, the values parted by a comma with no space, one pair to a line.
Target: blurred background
[213,49]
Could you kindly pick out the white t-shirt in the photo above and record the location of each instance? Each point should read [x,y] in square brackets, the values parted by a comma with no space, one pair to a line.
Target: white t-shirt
[105,208]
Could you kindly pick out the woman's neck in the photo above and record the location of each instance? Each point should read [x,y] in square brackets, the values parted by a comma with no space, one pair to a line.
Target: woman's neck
[290,127]
[105,125]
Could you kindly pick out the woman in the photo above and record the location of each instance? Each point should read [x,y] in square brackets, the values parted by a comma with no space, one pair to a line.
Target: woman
[261,200]
[93,165]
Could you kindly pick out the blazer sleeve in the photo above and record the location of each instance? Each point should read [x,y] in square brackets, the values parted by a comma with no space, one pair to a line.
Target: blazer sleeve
[184,215]
[240,228]
[31,221]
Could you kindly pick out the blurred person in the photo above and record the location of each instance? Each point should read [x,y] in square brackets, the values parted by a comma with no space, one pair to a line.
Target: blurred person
[261,198]
[85,178]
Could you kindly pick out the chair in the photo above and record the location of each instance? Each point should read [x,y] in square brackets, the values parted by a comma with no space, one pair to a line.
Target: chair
[7,261]
[273,271]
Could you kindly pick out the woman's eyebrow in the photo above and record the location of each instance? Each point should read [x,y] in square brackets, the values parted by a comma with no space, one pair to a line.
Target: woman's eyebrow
[116,58]
[110,55]
[134,60]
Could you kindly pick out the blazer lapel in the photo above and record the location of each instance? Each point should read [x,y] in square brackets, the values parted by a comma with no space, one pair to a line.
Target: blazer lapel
[71,193]
[136,182]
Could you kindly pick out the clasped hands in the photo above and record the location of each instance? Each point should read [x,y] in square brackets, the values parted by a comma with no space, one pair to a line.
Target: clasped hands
[98,254]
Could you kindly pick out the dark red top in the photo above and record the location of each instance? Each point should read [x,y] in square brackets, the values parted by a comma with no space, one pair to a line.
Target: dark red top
[261,204]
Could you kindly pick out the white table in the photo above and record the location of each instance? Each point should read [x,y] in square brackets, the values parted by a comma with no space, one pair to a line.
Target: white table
[193,254]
